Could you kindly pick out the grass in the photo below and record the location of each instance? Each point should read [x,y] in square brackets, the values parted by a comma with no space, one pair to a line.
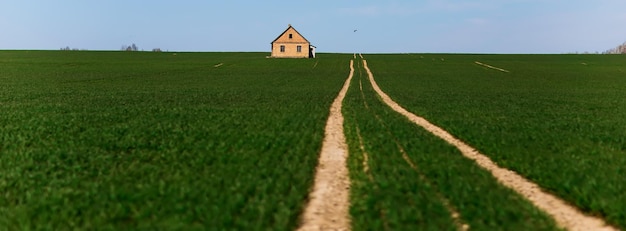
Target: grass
[138,140]
[126,141]
[399,197]
[559,120]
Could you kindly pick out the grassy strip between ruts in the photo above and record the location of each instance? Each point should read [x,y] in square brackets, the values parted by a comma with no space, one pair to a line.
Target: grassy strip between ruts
[398,197]
[115,140]
[556,119]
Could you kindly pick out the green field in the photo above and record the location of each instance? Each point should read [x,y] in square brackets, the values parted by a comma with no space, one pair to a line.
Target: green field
[558,120]
[115,140]
[230,141]
[399,197]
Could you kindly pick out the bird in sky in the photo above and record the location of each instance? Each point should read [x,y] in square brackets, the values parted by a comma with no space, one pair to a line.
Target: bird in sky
[355,30]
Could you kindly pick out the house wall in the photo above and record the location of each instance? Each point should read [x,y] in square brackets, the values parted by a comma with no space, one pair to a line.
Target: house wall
[291,45]
[291,50]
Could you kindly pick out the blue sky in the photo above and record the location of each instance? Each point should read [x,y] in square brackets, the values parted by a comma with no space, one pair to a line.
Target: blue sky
[451,26]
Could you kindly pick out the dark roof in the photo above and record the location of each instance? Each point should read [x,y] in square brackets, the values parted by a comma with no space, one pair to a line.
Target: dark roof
[281,34]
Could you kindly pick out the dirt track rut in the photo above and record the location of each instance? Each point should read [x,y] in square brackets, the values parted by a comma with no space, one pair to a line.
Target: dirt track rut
[328,204]
[566,216]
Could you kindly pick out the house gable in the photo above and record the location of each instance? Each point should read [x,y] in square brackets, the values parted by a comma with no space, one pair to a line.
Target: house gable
[291,35]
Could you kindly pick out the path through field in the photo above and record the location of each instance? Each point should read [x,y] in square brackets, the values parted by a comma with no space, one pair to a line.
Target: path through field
[564,214]
[491,67]
[328,204]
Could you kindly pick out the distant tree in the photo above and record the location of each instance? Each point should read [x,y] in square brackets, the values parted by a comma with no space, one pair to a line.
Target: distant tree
[156,50]
[621,49]
[132,47]
[67,48]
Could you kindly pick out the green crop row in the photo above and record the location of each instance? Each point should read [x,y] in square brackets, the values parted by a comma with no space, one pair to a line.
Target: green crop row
[393,195]
[174,141]
[229,141]
[558,120]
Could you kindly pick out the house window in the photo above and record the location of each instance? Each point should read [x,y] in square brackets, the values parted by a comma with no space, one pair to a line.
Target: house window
[290,36]
[282,48]
[299,49]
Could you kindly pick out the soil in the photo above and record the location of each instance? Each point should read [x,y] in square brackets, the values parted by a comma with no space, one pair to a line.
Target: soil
[565,215]
[328,205]
[489,66]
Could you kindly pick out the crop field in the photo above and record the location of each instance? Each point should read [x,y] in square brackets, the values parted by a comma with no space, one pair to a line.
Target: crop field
[117,140]
[230,141]
[558,120]
[395,195]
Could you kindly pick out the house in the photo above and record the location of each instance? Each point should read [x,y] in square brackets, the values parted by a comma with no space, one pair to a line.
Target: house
[291,44]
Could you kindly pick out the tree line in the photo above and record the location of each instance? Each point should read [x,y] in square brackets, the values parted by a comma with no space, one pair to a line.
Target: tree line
[132,47]
[621,49]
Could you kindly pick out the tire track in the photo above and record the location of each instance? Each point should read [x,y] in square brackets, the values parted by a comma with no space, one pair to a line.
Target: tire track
[366,169]
[565,215]
[492,67]
[328,205]
[454,214]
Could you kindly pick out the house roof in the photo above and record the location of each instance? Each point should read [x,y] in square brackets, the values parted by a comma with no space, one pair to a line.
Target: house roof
[294,29]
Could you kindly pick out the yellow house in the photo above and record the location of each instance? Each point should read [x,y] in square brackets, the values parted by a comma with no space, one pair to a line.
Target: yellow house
[291,44]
